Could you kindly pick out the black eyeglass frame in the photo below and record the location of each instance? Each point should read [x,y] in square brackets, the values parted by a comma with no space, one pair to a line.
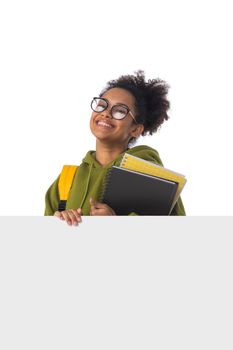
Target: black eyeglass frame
[118,104]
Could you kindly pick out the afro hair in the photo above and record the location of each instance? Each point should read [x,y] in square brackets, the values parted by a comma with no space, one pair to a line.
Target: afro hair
[151,99]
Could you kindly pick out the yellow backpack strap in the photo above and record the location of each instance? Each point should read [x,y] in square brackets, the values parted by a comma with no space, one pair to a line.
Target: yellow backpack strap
[65,183]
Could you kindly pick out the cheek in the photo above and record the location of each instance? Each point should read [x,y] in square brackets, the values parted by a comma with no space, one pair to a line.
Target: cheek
[126,126]
[92,118]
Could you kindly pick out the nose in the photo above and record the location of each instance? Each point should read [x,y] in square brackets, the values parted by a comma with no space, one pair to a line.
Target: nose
[107,113]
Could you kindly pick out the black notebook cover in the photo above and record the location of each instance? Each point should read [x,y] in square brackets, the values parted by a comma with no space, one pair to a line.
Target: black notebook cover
[129,191]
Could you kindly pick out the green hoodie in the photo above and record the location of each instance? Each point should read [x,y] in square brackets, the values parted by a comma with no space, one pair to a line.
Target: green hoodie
[89,179]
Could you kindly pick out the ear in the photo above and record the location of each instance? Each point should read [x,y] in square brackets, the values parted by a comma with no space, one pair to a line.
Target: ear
[137,130]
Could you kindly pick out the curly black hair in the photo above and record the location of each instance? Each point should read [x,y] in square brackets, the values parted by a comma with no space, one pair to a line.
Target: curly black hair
[151,99]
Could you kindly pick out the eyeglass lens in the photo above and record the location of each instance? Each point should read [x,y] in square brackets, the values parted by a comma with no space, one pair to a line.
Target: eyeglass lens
[99,105]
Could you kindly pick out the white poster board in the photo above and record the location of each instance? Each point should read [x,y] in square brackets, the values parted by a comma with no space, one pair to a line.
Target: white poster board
[116,283]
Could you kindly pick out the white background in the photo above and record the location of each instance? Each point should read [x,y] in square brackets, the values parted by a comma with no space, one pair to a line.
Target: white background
[55,56]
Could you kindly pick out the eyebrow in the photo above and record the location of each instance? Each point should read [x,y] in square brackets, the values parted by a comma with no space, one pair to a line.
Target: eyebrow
[118,103]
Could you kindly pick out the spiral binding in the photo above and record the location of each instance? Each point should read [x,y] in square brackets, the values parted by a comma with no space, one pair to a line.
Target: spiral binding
[105,185]
[124,159]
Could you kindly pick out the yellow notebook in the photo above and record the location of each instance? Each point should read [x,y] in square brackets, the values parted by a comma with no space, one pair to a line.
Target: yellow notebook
[141,165]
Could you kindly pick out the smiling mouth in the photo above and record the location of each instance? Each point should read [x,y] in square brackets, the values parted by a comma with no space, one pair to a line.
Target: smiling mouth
[104,125]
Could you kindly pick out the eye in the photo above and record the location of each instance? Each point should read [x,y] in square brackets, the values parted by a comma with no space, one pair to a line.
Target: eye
[100,107]
[119,112]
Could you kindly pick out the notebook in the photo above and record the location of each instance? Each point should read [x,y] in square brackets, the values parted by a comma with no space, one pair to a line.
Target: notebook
[141,165]
[127,191]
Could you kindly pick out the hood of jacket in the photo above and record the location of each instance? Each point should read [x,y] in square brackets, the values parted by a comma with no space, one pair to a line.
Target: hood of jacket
[142,151]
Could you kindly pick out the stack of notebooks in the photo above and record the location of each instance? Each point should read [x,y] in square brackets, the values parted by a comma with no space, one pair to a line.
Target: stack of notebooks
[142,187]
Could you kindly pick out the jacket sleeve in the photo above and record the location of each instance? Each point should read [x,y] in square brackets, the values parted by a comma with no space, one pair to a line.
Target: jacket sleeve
[178,208]
[52,199]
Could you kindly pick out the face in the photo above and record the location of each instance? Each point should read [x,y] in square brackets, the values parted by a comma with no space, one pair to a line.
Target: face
[118,132]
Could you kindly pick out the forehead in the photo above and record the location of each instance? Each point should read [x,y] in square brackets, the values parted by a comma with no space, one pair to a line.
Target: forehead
[118,95]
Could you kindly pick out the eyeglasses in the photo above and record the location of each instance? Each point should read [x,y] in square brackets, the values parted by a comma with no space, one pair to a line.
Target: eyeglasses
[118,111]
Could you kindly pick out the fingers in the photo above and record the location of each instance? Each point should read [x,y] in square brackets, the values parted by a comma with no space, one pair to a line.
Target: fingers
[71,216]
[59,215]
[97,208]
[92,206]
[95,204]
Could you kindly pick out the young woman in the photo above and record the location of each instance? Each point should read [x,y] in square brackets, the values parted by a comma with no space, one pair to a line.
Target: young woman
[125,109]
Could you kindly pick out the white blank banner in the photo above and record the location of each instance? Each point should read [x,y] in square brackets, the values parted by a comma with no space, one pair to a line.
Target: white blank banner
[116,283]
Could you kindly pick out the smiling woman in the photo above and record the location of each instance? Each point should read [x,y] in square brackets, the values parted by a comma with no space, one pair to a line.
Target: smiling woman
[125,109]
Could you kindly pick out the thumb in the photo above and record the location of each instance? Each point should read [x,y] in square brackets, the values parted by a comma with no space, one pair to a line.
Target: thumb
[79,210]
[93,201]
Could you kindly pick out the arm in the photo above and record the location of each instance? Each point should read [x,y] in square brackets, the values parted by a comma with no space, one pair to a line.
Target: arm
[52,199]
[178,208]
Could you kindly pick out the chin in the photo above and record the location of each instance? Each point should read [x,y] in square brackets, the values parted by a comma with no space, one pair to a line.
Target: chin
[100,136]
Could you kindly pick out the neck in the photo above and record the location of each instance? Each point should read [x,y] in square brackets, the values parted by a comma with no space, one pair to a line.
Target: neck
[106,153]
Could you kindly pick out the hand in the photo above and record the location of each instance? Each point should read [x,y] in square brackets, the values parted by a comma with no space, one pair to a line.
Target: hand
[98,208]
[71,216]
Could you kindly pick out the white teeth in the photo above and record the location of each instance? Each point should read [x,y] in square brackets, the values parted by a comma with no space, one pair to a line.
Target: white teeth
[104,124]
